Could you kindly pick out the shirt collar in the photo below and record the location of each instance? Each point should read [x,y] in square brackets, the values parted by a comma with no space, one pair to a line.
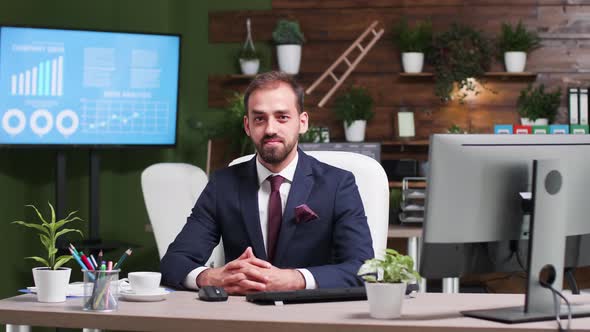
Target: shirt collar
[288,172]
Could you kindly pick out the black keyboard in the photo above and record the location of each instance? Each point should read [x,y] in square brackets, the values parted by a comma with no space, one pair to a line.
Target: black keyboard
[315,295]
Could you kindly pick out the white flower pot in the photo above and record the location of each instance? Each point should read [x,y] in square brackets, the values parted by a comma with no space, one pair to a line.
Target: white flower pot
[515,61]
[355,132]
[412,62]
[538,122]
[385,300]
[249,66]
[289,57]
[51,284]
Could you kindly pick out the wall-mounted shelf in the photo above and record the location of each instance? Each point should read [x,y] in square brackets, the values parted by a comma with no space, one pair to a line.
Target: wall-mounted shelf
[398,184]
[412,142]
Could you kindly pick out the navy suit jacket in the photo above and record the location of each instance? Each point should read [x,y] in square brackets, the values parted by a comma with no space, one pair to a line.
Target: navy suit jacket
[332,247]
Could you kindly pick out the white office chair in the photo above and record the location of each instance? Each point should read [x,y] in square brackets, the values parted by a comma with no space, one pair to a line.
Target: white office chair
[170,191]
[373,188]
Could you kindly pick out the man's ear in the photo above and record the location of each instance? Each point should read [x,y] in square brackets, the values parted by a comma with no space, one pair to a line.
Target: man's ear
[246,125]
[303,122]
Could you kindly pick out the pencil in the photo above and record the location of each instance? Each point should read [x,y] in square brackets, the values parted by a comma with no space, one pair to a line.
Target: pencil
[125,254]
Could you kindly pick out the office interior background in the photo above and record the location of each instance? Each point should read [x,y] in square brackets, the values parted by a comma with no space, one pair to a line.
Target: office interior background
[212,34]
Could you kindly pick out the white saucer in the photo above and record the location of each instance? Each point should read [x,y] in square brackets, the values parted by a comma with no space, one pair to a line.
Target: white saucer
[129,295]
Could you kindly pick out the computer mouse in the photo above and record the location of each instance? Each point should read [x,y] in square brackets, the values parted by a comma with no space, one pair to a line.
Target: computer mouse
[212,294]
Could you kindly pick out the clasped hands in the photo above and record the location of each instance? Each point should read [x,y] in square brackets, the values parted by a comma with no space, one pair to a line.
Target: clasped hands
[247,274]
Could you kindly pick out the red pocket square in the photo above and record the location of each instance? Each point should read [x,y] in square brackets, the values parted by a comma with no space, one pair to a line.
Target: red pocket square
[304,214]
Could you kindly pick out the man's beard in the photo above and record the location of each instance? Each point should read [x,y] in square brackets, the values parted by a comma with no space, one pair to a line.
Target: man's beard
[274,154]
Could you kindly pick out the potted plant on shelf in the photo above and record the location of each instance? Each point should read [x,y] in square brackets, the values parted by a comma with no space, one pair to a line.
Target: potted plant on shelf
[249,60]
[288,38]
[52,279]
[355,108]
[461,56]
[413,43]
[514,44]
[385,281]
[537,107]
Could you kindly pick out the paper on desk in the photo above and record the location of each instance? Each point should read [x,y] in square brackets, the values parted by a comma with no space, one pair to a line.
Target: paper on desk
[77,288]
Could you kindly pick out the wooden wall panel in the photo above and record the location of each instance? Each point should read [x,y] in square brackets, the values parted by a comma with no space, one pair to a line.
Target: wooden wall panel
[331,25]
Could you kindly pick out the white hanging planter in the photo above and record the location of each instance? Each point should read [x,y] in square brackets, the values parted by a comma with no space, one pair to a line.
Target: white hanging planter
[289,58]
[412,62]
[249,66]
[51,284]
[515,61]
[355,132]
[385,299]
[537,122]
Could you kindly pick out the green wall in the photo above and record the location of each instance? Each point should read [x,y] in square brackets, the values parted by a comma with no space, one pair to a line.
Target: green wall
[27,175]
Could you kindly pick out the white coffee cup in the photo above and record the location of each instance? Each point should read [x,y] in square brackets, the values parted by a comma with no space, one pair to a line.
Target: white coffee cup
[144,282]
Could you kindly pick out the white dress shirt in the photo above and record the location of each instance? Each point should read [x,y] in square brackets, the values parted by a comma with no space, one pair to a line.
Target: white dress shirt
[288,173]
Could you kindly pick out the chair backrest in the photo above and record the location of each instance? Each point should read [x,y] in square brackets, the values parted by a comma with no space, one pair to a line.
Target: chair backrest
[373,187]
[170,191]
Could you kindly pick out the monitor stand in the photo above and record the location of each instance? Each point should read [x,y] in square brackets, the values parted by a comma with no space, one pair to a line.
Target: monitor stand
[546,250]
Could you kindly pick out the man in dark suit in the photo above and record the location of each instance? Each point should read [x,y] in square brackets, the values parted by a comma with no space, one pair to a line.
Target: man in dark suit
[287,220]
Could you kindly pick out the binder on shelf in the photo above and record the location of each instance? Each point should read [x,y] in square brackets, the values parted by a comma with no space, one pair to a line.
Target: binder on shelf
[540,129]
[583,107]
[559,129]
[503,129]
[573,102]
[523,130]
[579,129]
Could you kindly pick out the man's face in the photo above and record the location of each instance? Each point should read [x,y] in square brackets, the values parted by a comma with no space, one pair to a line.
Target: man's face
[274,124]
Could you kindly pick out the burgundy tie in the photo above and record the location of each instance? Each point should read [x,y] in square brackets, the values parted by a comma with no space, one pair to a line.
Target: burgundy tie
[275,215]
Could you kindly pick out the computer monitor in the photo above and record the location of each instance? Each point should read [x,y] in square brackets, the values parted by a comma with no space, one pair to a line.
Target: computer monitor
[474,217]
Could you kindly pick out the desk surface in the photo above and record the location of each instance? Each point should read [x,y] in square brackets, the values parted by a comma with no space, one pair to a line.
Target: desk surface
[182,312]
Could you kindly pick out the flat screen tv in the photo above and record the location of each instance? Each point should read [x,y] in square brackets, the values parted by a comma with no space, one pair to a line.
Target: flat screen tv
[87,88]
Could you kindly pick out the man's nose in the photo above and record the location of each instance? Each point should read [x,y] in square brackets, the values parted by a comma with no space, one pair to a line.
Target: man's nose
[271,127]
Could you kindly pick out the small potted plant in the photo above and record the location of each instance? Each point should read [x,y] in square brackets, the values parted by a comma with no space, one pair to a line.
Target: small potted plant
[355,108]
[413,43]
[288,38]
[461,56]
[385,280]
[249,58]
[514,44]
[52,279]
[537,107]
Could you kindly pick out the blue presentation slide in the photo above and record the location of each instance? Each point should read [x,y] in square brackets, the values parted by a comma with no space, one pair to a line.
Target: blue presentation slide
[63,87]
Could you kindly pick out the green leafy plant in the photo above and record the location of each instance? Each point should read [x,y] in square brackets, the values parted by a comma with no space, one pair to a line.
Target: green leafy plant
[517,39]
[312,135]
[460,56]
[416,39]
[355,104]
[248,53]
[455,129]
[287,33]
[393,268]
[231,125]
[534,103]
[49,232]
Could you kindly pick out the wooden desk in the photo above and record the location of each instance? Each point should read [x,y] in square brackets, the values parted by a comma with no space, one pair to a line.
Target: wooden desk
[182,312]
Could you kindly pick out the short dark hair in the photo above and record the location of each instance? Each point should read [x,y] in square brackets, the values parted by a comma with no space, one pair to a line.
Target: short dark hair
[272,79]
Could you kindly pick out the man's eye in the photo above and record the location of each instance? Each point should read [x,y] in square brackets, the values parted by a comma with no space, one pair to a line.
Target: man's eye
[258,119]
[284,117]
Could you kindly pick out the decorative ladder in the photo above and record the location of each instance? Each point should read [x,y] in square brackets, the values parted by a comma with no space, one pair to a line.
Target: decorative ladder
[344,58]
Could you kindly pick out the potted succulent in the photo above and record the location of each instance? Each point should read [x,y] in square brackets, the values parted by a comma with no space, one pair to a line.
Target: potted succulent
[514,44]
[249,58]
[385,280]
[288,38]
[355,108]
[537,107]
[52,279]
[413,43]
[461,56]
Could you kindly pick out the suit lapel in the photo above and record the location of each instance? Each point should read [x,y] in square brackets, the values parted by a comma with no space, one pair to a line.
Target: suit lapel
[249,207]
[298,194]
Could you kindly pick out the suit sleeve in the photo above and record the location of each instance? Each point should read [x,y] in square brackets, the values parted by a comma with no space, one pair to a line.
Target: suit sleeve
[195,242]
[351,237]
